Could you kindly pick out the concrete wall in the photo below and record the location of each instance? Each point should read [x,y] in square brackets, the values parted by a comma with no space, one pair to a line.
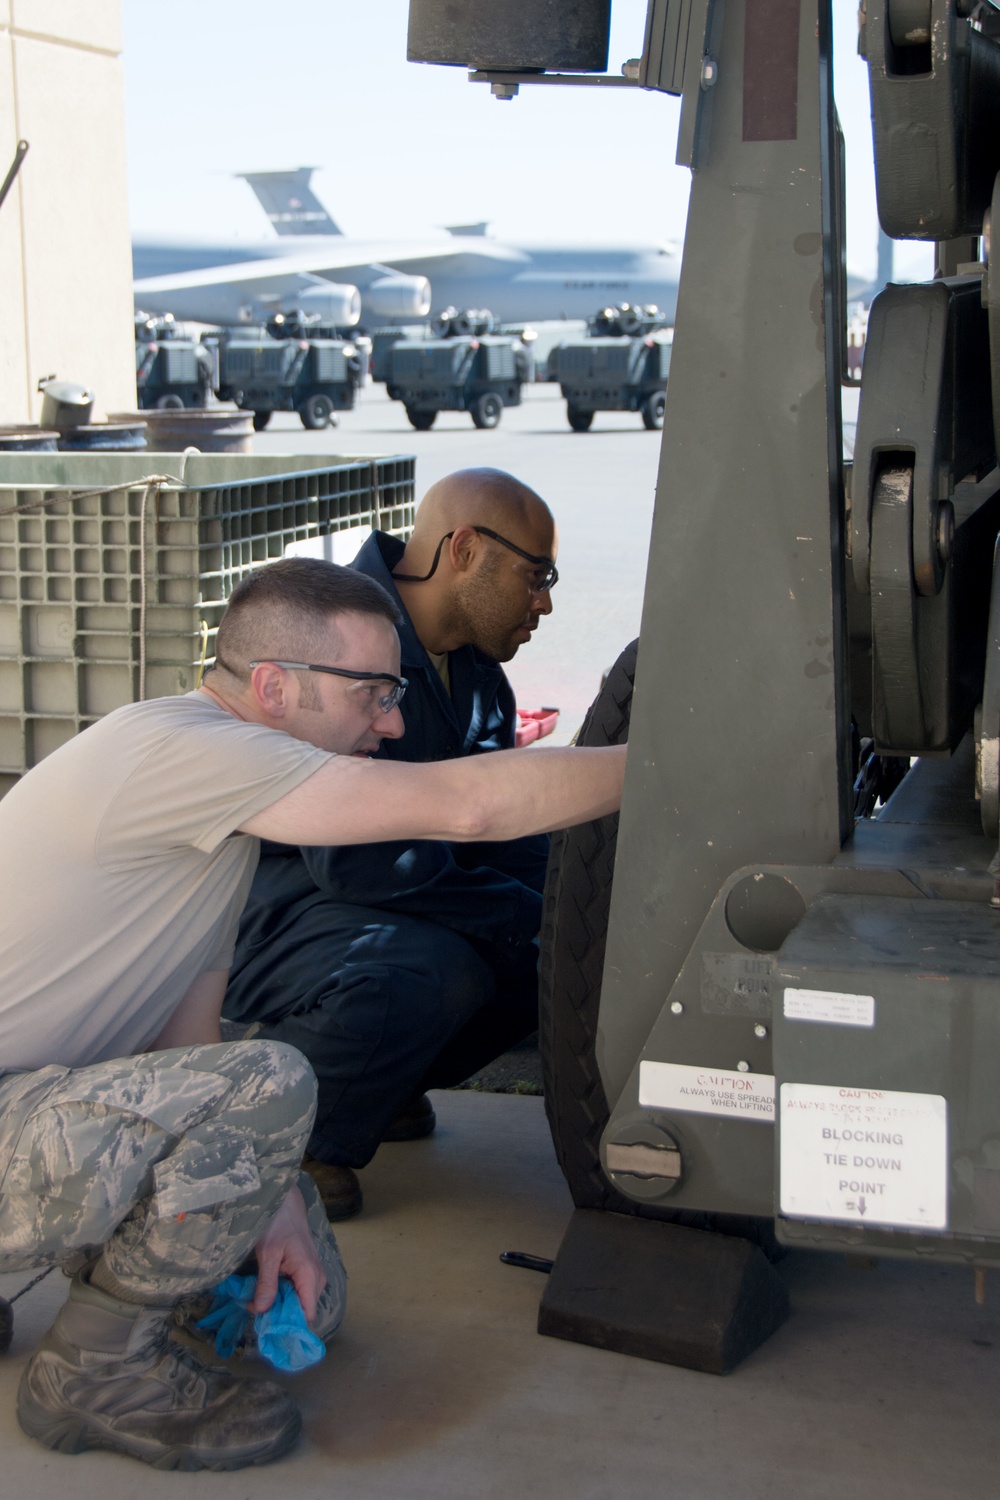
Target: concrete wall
[65,256]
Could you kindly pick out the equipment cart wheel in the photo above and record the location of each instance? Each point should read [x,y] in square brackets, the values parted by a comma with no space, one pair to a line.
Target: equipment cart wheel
[578,419]
[485,411]
[261,419]
[575,914]
[652,411]
[170,403]
[423,421]
[316,411]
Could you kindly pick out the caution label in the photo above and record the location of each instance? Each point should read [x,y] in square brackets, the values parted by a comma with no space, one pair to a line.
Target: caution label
[706,1091]
[864,1156]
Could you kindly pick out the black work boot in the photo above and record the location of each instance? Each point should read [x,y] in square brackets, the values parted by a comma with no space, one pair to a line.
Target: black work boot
[107,1376]
[338,1187]
[415,1120]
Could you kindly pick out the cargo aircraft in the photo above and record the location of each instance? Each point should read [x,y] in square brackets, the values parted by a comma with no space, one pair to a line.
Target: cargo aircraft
[311,265]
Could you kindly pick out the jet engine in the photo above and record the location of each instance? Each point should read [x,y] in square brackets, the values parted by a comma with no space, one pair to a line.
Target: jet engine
[336,303]
[398,297]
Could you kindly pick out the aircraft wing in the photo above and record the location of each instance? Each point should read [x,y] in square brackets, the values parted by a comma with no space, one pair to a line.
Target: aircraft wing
[359,259]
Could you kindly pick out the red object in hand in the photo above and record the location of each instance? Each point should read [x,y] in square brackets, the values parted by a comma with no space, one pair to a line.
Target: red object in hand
[534,724]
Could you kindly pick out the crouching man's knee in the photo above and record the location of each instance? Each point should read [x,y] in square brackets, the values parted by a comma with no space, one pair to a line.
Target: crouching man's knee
[274,1095]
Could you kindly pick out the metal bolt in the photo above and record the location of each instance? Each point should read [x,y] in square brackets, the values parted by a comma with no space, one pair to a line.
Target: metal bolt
[760,1030]
[677,1007]
[631,68]
[743,1067]
[504,90]
[709,72]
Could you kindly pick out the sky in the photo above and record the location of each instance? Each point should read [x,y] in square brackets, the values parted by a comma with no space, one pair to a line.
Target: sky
[218,86]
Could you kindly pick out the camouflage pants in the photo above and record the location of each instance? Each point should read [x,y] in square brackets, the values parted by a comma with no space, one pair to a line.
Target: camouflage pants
[172,1162]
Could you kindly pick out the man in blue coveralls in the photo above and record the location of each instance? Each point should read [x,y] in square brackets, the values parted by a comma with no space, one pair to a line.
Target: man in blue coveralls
[401,967]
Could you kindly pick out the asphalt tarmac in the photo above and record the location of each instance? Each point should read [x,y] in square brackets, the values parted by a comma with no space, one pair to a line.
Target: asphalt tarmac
[600,486]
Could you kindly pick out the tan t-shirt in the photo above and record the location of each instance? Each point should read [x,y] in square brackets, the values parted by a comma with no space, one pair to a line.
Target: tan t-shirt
[121,876]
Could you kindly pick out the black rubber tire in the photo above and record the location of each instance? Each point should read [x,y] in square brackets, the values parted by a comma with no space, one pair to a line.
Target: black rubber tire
[261,419]
[652,411]
[315,412]
[575,913]
[579,420]
[574,930]
[423,421]
[170,403]
[487,410]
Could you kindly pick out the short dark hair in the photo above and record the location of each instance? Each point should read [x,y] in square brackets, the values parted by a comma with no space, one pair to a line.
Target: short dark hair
[285,607]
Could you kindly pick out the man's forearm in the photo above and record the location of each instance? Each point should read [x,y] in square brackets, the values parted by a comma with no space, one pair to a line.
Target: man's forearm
[504,795]
[515,793]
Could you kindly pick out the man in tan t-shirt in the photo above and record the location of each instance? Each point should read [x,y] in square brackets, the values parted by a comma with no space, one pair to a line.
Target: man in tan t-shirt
[134,1145]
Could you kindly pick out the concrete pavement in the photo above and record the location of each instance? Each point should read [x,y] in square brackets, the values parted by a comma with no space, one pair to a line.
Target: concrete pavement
[881,1386]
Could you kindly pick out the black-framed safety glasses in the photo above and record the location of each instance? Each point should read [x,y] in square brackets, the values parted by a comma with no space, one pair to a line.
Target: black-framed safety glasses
[546,573]
[387,702]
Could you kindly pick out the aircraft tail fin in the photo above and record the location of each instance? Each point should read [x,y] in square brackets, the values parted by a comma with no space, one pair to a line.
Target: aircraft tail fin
[290,203]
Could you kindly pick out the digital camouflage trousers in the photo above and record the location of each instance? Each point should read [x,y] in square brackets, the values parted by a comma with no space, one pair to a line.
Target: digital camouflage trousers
[171,1163]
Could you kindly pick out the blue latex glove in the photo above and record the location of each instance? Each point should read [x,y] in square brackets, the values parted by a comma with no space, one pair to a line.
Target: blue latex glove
[284,1338]
[227,1317]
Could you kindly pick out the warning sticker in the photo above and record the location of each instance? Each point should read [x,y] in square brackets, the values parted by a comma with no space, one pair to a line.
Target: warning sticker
[706,1091]
[829,1005]
[864,1156]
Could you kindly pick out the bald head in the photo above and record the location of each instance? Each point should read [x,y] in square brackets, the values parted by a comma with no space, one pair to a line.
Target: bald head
[462,586]
[476,497]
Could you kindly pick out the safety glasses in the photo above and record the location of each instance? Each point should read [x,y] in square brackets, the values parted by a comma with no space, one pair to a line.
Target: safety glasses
[386,702]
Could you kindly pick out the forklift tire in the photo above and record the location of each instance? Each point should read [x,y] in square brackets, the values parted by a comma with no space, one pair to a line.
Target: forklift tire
[423,421]
[170,403]
[261,419]
[486,411]
[316,412]
[574,931]
[578,419]
[652,411]
[575,913]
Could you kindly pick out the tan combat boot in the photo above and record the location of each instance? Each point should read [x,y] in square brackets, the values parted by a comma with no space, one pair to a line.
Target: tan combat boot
[107,1376]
